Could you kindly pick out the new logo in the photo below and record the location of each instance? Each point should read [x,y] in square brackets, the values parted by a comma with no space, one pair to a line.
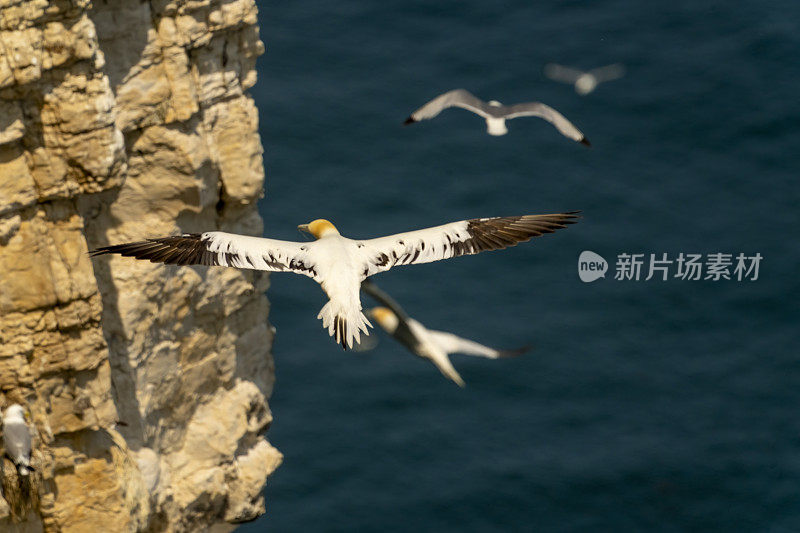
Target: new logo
[591,266]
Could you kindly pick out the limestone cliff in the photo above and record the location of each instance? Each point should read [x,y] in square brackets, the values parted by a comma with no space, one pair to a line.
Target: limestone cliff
[121,120]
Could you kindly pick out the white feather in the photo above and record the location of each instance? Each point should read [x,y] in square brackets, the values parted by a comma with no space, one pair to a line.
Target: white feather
[340,264]
[17,438]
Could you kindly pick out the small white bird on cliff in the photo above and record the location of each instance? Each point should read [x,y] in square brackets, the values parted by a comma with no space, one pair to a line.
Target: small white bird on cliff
[585,82]
[340,264]
[426,343]
[17,438]
[496,113]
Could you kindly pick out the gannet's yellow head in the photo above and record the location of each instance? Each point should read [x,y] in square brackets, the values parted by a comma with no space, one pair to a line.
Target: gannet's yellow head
[494,103]
[319,228]
[385,318]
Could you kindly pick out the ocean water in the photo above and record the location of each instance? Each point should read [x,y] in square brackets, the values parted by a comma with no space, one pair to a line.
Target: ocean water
[650,405]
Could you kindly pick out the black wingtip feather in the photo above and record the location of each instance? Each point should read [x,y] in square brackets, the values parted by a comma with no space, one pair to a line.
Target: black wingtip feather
[186,249]
[98,251]
[513,353]
[585,142]
[340,331]
[409,120]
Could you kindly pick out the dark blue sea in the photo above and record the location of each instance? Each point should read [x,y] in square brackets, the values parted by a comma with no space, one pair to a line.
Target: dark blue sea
[643,405]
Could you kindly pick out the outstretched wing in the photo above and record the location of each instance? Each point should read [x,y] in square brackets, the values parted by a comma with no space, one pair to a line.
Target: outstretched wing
[404,333]
[217,248]
[455,98]
[609,72]
[561,73]
[454,344]
[465,237]
[373,290]
[17,440]
[538,109]
[442,362]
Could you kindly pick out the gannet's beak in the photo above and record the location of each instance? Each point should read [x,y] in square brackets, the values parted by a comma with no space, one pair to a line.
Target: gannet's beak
[303,228]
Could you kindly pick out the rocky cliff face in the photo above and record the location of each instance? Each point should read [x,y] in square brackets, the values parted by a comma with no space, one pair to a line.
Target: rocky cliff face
[121,120]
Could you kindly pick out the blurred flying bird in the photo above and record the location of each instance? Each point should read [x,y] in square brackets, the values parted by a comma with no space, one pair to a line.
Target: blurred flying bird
[585,82]
[496,113]
[340,264]
[426,343]
[17,438]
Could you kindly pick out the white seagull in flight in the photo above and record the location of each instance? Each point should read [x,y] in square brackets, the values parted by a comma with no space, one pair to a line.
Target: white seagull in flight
[340,264]
[585,82]
[17,438]
[496,113]
[426,343]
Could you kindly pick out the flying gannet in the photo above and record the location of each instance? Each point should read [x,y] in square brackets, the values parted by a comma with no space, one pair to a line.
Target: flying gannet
[585,82]
[426,343]
[496,113]
[17,438]
[340,264]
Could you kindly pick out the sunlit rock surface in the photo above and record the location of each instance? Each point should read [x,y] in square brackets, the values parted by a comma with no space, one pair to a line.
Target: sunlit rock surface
[123,120]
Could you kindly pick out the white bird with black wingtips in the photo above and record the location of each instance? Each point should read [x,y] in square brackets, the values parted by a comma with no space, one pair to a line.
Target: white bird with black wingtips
[340,264]
[436,346]
[17,438]
[496,113]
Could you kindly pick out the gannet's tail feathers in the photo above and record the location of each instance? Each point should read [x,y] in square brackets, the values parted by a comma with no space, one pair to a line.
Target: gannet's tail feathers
[343,324]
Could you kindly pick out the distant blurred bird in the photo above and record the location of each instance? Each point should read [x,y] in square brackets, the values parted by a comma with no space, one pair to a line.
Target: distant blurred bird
[17,438]
[585,82]
[340,264]
[496,113]
[426,343]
